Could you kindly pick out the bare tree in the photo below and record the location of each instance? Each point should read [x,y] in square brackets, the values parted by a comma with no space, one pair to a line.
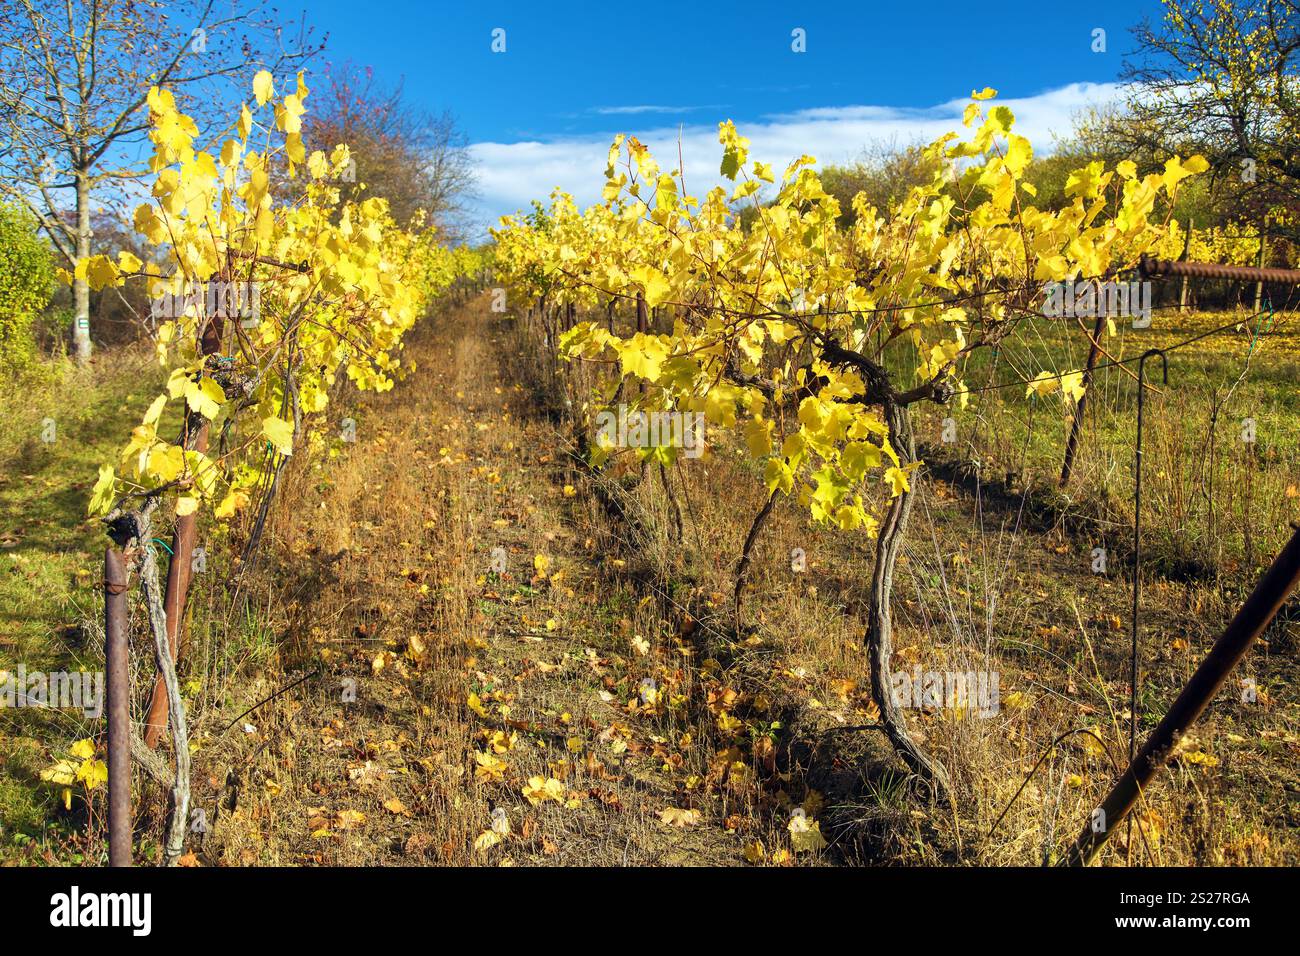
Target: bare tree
[1223,78]
[77,75]
[884,173]
[414,159]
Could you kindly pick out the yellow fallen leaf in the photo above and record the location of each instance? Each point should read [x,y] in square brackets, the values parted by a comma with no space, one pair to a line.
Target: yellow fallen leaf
[805,834]
[539,789]
[489,767]
[674,817]
[350,819]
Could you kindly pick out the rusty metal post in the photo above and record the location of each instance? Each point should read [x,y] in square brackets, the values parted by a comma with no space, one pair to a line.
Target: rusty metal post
[1260,608]
[179,573]
[1259,262]
[1212,270]
[117,676]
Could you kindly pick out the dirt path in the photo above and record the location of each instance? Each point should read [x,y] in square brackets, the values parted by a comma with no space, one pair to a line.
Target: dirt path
[523,694]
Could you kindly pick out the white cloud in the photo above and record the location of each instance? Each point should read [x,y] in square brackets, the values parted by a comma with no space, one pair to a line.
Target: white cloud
[631,110]
[511,175]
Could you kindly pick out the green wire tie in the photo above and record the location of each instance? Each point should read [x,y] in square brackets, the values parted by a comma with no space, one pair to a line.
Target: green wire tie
[1262,326]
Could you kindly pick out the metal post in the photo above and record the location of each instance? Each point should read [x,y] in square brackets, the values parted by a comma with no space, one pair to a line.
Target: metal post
[1259,262]
[1260,608]
[1076,427]
[1187,251]
[179,573]
[1137,539]
[118,677]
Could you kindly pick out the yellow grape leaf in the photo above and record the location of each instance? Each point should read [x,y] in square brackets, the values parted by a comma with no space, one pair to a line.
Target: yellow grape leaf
[94,773]
[476,705]
[758,438]
[231,504]
[1091,745]
[805,834]
[1044,383]
[155,410]
[62,773]
[317,165]
[539,789]
[777,475]
[263,86]
[653,283]
[289,116]
[1176,171]
[279,433]
[486,840]
[101,497]
[205,397]
[294,148]
[896,478]
[1072,385]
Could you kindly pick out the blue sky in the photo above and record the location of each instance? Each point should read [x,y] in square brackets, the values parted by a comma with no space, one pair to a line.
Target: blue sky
[541,113]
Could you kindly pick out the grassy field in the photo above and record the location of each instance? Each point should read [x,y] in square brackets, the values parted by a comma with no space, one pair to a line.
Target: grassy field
[51,562]
[1212,502]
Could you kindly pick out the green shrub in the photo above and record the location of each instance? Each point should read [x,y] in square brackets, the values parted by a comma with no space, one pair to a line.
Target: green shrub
[26,280]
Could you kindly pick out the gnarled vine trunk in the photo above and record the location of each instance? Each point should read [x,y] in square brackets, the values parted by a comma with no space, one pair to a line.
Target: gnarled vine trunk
[880,619]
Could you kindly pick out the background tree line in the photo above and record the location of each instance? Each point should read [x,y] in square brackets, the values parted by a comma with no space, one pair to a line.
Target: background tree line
[74,121]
